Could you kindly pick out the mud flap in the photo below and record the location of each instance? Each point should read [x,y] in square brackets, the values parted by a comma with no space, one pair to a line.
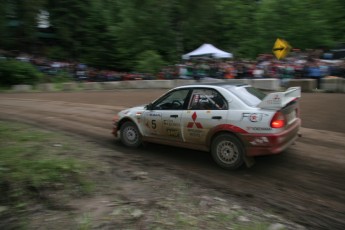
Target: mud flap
[249,161]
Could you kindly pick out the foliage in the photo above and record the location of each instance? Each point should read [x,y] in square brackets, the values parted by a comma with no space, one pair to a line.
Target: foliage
[143,26]
[56,53]
[60,77]
[112,33]
[14,72]
[302,23]
[149,62]
[2,25]
[19,26]
[238,26]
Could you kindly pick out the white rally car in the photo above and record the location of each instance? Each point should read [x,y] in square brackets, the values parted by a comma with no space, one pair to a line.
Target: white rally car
[235,122]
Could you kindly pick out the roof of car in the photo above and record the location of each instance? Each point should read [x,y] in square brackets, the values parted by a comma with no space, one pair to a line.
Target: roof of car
[215,84]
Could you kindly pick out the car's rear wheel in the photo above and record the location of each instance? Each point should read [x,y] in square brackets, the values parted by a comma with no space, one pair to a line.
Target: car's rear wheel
[130,135]
[227,151]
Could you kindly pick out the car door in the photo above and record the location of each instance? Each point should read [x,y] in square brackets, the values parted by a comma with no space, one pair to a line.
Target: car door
[206,109]
[163,119]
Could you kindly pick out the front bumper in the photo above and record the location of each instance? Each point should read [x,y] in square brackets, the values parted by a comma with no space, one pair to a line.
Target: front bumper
[269,144]
[115,129]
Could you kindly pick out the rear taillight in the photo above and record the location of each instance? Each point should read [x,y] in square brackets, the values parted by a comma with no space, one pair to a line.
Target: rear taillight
[278,121]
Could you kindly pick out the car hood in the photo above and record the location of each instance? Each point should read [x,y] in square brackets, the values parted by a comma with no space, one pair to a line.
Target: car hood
[132,111]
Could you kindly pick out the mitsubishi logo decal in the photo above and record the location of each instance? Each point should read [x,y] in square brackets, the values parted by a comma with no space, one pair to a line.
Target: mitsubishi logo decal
[197,124]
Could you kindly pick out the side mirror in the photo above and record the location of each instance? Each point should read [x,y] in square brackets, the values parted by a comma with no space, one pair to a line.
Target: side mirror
[149,106]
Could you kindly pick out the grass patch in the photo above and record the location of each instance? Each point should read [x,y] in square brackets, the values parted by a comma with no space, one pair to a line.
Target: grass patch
[33,165]
[43,176]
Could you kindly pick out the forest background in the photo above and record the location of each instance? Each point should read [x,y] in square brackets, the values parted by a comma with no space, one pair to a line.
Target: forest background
[122,34]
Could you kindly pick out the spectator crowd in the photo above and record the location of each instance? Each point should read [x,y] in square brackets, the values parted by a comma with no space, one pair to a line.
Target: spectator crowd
[265,66]
[74,70]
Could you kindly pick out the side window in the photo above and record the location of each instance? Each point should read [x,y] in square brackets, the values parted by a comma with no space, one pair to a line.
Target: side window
[172,101]
[207,99]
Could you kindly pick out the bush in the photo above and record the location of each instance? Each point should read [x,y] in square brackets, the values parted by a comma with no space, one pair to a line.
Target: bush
[149,62]
[14,72]
[60,76]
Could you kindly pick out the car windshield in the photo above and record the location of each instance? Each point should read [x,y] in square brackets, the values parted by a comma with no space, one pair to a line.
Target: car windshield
[172,101]
[249,95]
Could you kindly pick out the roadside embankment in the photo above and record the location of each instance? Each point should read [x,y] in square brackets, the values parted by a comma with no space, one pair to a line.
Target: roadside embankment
[331,84]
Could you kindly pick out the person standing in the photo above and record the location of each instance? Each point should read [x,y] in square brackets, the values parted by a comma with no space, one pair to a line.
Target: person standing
[314,72]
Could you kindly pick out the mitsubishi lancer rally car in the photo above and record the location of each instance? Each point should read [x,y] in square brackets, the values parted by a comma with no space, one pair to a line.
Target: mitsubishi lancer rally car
[235,122]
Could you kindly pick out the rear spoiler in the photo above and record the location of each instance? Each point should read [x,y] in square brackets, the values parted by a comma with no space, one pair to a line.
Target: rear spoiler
[280,99]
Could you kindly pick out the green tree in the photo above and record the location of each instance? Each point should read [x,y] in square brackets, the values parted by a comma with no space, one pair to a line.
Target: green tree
[302,23]
[143,25]
[149,62]
[67,17]
[116,33]
[197,23]
[85,28]
[238,29]
[334,14]
[98,45]
[18,24]
[2,24]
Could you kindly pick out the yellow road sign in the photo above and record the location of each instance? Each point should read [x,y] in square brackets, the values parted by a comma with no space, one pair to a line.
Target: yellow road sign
[281,48]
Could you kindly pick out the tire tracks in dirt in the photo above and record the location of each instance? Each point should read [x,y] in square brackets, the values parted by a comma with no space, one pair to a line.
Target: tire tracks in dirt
[305,183]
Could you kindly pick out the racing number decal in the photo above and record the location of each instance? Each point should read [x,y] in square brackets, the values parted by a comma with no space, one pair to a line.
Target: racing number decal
[153,124]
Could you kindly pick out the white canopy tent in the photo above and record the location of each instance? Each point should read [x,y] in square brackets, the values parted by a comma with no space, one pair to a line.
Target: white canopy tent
[207,50]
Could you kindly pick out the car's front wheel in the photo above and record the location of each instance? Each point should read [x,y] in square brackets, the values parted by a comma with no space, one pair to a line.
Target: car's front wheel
[227,151]
[130,135]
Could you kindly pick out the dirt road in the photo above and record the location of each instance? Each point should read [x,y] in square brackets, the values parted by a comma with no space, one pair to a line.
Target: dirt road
[304,184]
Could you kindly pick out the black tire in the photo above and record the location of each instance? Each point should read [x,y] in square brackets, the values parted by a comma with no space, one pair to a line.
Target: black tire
[227,151]
[130,135]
